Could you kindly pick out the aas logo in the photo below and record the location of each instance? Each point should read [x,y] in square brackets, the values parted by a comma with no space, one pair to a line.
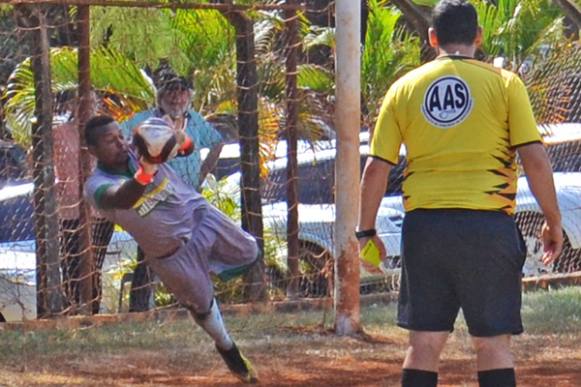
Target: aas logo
[447,102]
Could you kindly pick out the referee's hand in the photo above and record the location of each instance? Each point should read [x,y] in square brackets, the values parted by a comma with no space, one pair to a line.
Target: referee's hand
[382,254]
[552,235]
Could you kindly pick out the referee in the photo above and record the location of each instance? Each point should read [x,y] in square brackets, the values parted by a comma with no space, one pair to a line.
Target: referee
[462,123]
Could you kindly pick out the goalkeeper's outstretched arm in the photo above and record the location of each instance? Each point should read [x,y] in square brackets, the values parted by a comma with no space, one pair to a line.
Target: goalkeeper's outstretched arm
[127,194]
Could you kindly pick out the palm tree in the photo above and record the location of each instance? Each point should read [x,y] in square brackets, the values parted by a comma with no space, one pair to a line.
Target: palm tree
[112,75]
[518,29]
[389,52]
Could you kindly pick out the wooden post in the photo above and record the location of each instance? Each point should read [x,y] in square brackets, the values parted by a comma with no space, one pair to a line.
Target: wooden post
[87,262]
[247,81]
[48,279]
[347,122]
[292,199]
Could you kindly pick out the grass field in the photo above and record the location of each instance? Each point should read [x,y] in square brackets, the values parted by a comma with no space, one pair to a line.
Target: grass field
[287,349]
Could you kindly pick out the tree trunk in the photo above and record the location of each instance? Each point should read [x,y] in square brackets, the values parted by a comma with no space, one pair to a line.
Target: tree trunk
[48,280]
[347,121]
[247,81]
[292,199]
[87,263]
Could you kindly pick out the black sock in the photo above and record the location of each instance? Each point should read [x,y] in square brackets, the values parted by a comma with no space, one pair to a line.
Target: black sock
[418,378]
[502,377]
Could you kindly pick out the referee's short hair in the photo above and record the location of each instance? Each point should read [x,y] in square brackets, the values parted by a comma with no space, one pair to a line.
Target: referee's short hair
[455,22]
[93,128]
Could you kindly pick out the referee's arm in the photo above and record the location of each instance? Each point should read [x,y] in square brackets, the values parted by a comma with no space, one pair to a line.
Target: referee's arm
[373,187]
[540,178]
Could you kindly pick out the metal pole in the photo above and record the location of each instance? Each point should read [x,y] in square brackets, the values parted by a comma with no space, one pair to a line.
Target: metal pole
[347,122]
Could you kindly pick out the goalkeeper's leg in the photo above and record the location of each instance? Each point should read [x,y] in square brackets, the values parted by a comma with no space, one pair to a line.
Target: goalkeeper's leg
[213,324]
[186,275]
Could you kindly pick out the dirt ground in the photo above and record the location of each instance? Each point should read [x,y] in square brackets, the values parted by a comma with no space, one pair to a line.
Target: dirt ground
[309,359]
[287,350]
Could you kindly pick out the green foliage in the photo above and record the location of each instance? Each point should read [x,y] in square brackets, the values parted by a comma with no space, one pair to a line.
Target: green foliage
[204,45]
[163,297]
[316,78]
[198,44]
[275,251]
[314,83]
[516,28]
[550,84]
[223,196]
[207,40]
[144,35]
[389,53]
[319,36]
[111,72]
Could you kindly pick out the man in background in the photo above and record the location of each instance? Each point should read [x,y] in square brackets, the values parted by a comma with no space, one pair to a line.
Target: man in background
[173,103]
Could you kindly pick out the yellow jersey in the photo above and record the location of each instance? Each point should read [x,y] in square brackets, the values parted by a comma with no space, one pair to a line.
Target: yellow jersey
[460,121]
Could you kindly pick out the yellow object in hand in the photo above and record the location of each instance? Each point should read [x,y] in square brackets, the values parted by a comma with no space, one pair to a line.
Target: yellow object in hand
[370,253]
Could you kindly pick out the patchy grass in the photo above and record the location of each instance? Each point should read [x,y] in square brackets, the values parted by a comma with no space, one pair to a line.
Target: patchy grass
[287,349]
[553,311]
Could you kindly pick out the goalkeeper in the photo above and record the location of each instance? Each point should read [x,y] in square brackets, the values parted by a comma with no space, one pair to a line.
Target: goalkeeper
[183,237]
[173,102]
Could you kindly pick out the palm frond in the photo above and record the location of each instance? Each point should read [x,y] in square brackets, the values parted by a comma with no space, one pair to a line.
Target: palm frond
[266,34]
[513,28]
[112,73]
[206,38]
[144,35]
[316,78]
[319,36]
[389,52]
[268,130]
[271,74]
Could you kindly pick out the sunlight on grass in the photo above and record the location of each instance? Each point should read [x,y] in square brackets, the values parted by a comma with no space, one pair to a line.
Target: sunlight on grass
[555,312]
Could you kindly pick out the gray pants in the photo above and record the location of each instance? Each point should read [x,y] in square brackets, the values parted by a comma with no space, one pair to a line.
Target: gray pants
[218,246]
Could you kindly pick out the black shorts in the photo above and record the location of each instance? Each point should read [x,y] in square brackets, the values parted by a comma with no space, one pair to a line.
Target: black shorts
[455,258]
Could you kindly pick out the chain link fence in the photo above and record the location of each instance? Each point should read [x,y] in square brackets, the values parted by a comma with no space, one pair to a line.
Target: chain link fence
[554,84]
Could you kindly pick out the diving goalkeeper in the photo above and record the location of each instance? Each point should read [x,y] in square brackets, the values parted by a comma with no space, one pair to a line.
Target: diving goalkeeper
[183,237]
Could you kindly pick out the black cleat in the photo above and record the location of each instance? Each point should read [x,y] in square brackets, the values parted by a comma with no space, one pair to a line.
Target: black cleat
[239,365]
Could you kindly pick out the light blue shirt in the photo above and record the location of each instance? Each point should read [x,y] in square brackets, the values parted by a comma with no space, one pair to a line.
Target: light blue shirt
[199,130]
